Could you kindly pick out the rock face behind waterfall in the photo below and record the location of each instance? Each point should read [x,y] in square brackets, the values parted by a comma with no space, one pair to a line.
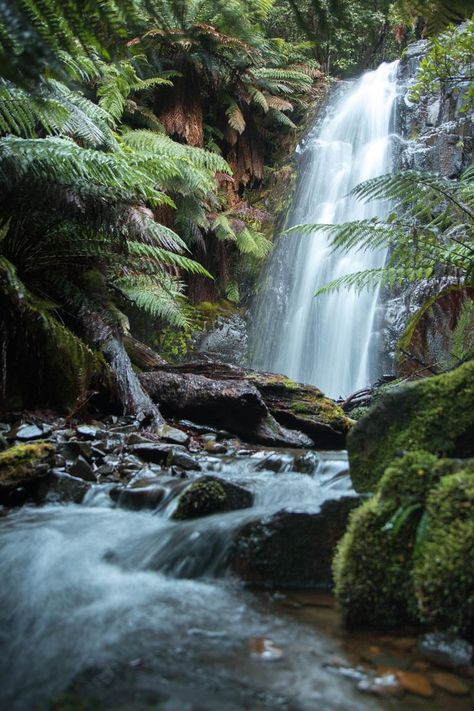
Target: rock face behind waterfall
[437,136]
[259,407]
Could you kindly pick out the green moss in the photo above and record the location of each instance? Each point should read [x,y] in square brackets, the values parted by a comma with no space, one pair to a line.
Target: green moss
[408,553]
[435,414]
[21,462]
[444,566]
[372,568]
[200,499]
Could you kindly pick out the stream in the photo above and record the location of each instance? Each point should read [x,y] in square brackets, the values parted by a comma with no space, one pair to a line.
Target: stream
[131,610]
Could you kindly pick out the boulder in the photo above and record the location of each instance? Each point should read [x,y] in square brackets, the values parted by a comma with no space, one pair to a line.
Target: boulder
[22,468]
[210,495]
[435,414]
[446,650]
[407,554]
[291,549]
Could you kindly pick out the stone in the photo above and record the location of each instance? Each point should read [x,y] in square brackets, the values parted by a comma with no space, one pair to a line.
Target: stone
[174,435]
[28,433]
[292,549]
[382,685]
[415,683]
[265,649]
[82,469]
[87,431]
[446,650]
[450,683]
[62,488]
[306,463]
[22,468]
[75,448]
[215,448]
[156,453]
[209,495]
[184,460]
[138,497]
[275,462]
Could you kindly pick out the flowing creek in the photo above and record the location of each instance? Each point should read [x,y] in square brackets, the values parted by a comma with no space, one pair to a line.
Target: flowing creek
[131,610]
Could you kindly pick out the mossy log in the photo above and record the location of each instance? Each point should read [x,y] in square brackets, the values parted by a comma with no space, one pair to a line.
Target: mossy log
[260,407]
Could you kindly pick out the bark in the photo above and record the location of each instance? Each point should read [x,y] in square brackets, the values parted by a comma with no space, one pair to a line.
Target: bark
[233,405]
[298,407]
[130,394]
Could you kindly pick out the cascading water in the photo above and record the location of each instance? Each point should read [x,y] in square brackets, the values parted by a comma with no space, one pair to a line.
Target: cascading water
[330,341]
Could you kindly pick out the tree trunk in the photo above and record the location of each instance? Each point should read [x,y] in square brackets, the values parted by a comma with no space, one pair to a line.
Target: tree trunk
[130,394]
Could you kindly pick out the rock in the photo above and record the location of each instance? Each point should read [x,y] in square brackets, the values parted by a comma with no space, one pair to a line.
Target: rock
[138,497]
[174,435]
[275,462]
[233,403]
[306,463]
[82,469]
[215,448]
[3,443]
[415,683]
[265,649]
[22,468]
[28,433]
[75,448]
[408,418]
[210,495]
[156,453]
[450,683]
[446,650]
[292,549]
[443,573]
[383,685]
[63,488]
[380,581]
[184,460]
[87,431]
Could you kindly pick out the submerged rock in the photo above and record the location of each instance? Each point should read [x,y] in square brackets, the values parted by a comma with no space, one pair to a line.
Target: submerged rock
[210,495]
[292,549]
[435,414]
[136,498]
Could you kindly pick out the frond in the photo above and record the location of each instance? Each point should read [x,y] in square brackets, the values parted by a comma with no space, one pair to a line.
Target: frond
[161,298]
[235,117]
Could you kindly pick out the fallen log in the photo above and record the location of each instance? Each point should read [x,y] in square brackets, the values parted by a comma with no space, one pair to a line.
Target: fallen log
[259,407]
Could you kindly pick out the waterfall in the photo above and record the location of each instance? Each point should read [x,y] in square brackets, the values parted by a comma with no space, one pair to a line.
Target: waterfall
[331,341]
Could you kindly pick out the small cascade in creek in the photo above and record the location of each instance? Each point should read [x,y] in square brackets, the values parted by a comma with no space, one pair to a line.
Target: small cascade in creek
[331,341]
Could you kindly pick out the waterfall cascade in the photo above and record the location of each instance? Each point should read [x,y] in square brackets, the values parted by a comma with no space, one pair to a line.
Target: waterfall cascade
[331,341]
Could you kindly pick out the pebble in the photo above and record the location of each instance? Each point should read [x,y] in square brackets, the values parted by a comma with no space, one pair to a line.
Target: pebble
[415,683]
[27,433]
[450,683]
[87,431]
[384,685]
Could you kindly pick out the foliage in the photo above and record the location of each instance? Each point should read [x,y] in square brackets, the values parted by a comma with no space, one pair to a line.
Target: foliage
[448,65]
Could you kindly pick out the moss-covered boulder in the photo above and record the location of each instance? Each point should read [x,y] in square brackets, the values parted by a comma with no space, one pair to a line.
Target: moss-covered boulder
[407,555]
[444,566]
[23,467]
[211,495]
[434,414]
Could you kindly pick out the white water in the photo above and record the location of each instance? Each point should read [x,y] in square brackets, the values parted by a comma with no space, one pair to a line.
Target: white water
[331,341]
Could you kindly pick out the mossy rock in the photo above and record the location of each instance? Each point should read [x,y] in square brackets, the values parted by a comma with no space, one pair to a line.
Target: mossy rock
[434,414]
[444,567]
[388,571]
[25,462]
[211,495]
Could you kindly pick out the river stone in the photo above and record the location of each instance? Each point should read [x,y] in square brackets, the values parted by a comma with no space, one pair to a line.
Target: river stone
[87,431]
[446,650]
[139,497]
[174,435]
[63,488]
[82,469]
[28,433]
[156,453]
[209,495]
[292,549]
